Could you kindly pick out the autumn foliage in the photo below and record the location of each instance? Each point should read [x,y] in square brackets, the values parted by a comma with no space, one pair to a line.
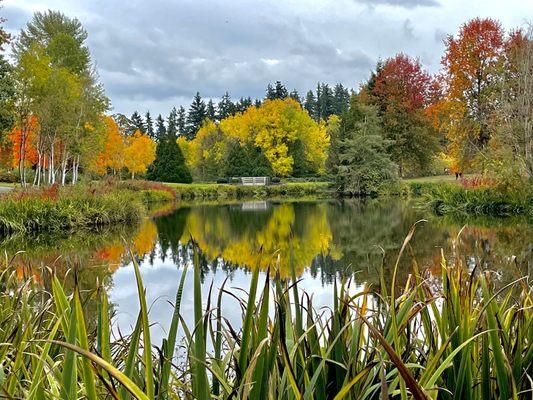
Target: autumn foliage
[23,143]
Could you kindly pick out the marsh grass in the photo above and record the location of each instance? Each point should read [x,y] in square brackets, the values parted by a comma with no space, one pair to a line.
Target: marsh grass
[460,339]
[93,205]
[446,198]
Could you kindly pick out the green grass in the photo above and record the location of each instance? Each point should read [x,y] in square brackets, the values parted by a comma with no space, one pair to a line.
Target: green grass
[57,208]
[213,191]
[460,339]
[435,179]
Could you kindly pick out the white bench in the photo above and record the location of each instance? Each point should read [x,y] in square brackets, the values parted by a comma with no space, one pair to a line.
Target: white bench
[255,180]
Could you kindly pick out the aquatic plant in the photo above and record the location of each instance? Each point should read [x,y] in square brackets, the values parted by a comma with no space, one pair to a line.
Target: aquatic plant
[460,338]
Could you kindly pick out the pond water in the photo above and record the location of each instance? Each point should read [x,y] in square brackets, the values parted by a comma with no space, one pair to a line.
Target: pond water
[321,240]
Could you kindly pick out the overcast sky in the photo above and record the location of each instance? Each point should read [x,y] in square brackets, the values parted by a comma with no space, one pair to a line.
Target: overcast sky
[156,54]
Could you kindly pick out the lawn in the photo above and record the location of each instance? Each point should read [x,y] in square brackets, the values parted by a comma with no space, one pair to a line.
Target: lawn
[435,179]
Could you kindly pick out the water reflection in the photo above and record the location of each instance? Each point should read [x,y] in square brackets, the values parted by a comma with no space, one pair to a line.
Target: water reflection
[326,238]
[321,240]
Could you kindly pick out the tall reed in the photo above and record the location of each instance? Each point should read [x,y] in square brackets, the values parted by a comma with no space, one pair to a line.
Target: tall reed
[455,337]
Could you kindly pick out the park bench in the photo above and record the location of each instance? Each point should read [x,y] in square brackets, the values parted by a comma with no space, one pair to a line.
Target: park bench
[255,180]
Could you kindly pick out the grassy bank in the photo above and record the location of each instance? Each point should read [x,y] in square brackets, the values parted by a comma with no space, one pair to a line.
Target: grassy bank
[84,206]
[445,198]
[214,191]
[458,339]
[107,202]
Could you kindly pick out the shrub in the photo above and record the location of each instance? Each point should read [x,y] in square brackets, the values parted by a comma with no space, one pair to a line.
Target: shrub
[9,176]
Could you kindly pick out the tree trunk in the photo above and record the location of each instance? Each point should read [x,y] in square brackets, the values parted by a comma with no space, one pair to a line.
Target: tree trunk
[22,156]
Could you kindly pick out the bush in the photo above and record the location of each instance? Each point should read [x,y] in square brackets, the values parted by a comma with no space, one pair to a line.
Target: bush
[9,176]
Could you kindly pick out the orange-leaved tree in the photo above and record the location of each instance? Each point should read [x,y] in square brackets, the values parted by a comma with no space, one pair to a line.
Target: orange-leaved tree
[24,146]
[112,153]
[472,63]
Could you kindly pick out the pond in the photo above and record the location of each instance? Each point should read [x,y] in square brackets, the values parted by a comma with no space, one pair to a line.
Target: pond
[319,240]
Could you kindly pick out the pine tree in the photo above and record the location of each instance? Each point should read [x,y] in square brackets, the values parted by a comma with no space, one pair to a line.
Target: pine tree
[172,123]
[136,123]
[281,91]
[169,164]
[325,101]
[197,114]
[149,125]
[161,130]
[363,164]
[319,101]
[310,104]
[211,114]
[225,107]
[257,103]
[243,104]
[270,93]
[247,160]
[341,99]
[182,121]
[295,96]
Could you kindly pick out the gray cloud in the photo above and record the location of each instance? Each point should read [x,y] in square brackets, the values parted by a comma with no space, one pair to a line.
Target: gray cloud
[156,55]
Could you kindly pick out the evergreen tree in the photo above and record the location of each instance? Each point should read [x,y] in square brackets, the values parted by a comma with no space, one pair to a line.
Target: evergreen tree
[211,114]
[364,166]
[182,121]
[301,166]
[257,103]
[197,114]
[318,111]
[149,125]
[270,92]
[341,99]
[161,130]
[310,104]
[243,104]
[225,107]
[247,160]
[295,96]
[281,91]
[172,123]
[169,164]
[137,123]
[325,101]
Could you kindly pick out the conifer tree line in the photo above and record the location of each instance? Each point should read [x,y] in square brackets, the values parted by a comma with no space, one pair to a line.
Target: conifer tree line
[320,104]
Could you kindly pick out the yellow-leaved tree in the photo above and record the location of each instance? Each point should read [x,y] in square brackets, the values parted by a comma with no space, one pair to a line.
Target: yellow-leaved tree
[139,153]
[279,133]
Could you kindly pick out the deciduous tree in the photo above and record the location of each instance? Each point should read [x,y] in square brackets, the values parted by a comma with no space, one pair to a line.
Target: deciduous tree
[139,153]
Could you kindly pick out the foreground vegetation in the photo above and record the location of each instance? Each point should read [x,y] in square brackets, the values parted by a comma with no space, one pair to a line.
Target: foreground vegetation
[454,337]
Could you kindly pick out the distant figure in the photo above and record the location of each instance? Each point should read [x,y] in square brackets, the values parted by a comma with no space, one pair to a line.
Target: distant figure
[456,175]
[460,175]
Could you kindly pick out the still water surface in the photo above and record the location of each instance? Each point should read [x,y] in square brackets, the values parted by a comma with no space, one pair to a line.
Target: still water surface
[322,240]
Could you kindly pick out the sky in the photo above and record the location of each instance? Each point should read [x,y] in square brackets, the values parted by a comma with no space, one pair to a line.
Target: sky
[154,55]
